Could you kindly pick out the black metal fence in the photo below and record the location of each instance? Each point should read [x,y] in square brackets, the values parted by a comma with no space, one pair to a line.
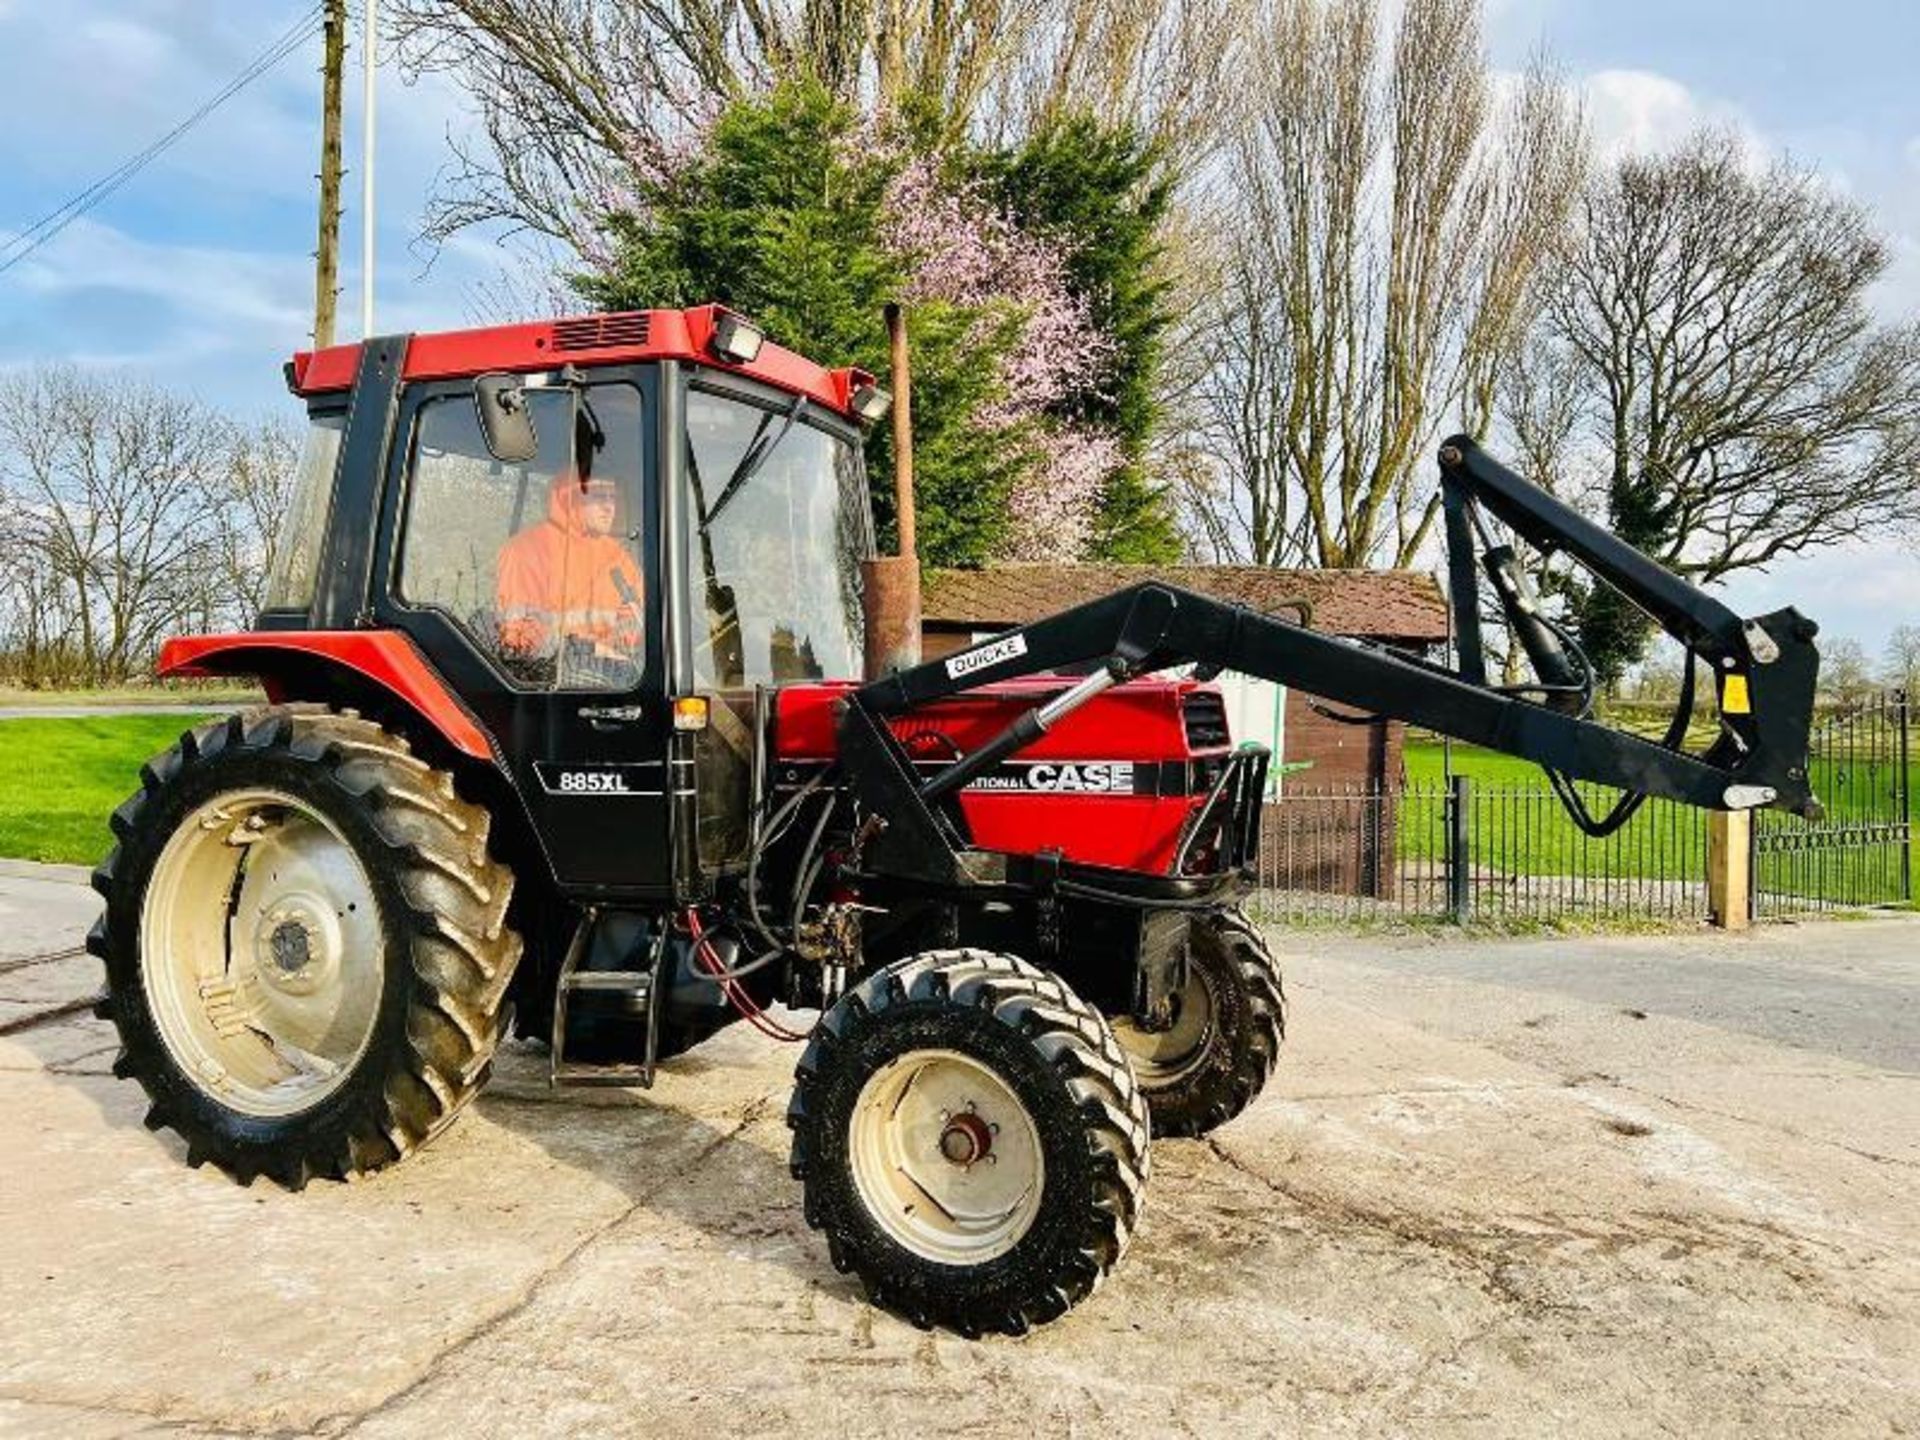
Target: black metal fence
[1861,853]
[1506,852]
[1465,849]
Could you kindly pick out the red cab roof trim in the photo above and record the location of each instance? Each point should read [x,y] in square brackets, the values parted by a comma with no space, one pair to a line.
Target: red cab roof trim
[585,340]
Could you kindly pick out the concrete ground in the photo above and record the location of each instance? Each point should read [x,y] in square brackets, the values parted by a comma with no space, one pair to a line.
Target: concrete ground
[1573,1187]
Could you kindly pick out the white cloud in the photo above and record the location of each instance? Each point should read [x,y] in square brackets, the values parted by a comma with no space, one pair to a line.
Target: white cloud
[1862,589]
[100,296]
[1641,112]
[200,270]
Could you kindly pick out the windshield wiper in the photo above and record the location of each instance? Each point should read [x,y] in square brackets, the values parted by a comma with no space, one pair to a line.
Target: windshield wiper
[757,452]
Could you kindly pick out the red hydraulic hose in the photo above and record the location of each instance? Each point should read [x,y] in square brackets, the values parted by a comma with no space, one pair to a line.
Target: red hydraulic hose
[736,996]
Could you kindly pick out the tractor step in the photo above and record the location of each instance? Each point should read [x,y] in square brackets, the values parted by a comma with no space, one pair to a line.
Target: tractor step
[612,1076]
[642,985]
[637,982]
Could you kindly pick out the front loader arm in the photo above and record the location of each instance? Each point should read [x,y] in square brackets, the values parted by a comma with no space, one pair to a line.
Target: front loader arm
[1765,669]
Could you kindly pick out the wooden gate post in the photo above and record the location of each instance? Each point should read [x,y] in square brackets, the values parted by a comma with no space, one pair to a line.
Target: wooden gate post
[1730,868]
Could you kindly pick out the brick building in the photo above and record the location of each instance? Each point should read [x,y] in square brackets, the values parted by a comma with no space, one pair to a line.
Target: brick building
[1332,844]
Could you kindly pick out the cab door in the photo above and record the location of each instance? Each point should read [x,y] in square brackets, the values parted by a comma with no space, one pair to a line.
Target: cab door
[535,590]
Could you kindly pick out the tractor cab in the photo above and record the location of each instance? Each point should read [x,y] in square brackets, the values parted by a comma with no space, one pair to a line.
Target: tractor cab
[604,535]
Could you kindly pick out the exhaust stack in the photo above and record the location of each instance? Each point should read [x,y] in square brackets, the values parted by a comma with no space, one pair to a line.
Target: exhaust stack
[892,582]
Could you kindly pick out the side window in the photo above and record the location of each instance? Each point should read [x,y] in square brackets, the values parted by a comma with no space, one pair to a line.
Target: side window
[296,565]
[539,563]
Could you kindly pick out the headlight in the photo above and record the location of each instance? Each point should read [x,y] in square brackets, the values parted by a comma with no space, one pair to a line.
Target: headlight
[870,403]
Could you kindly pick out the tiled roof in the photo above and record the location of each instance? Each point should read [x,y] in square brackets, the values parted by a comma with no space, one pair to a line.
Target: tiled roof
[1378,604]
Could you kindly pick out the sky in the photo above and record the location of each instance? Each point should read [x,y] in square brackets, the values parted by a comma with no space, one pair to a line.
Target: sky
[198,273]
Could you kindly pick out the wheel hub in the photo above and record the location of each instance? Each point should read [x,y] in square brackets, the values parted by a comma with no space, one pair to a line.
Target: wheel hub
[296,944]
[967,1138]
[1162,1057]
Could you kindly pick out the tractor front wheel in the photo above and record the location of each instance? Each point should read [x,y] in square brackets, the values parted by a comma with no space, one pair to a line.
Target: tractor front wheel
[306,944]
[1228,1022]
[971,1141]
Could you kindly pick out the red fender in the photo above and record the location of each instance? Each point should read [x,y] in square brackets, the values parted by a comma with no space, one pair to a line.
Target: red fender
[386,657]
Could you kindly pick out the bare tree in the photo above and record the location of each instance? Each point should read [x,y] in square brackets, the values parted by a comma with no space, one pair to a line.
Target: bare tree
[1391,223]
[250,510]
[1737,399]
[1900,662]
[33,622]
[1170,70]
[110,486]
[576,97]
[1846,677]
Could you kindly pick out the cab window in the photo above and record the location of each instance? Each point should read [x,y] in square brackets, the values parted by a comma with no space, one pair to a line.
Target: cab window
[296,565]
[540,563]
[781,521]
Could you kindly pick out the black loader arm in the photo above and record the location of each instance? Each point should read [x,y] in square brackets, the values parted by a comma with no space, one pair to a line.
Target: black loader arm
[1765,668]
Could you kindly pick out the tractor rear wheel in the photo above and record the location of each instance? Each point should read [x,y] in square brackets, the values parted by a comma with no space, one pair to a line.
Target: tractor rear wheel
[1228,1022]
[971,1141]
[306,944]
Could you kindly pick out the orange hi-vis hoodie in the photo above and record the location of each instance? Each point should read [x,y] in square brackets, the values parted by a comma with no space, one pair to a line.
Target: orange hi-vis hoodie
[557,581]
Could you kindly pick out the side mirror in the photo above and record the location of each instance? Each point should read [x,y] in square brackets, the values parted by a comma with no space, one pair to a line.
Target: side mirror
[505,421]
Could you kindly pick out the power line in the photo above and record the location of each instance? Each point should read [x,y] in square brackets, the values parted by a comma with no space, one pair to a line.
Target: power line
[18,247]
[49,225]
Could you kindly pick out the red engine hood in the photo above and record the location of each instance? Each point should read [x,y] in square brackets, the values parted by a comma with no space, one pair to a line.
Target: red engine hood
[1111,784]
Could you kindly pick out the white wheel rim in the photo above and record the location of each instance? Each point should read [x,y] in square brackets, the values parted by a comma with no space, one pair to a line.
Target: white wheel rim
[1163,1057]
[261,951]
[946,1158]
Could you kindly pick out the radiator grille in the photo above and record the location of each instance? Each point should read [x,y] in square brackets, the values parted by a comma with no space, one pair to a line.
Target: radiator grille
[1205,714]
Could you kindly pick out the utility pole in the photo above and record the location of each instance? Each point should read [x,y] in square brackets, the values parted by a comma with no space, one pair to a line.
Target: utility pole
[326,268]
[368,60]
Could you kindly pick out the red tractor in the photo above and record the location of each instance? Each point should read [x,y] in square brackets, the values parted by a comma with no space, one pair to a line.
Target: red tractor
[568,724]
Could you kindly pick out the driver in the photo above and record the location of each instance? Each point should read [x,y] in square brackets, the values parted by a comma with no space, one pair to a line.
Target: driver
[567,585]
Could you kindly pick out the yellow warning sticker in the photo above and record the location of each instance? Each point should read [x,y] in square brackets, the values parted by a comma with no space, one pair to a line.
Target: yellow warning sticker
[1733,696]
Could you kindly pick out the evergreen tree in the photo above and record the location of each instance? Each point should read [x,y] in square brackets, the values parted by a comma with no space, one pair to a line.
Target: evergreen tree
[782,214]
[778,216]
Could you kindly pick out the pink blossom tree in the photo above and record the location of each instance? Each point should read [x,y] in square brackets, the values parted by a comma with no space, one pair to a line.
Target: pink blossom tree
[956,247]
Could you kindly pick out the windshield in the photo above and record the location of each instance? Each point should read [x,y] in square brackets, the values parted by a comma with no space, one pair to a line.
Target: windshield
[780,510]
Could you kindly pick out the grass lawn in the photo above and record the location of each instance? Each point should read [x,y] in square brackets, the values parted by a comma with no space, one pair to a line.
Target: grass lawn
[1426,765]
[60,779]
[1519,828]
[160,692]
[1531,835]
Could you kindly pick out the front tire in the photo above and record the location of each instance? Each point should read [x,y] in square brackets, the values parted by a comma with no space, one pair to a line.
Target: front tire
[971,1141]
[306,944]
[1229,1022]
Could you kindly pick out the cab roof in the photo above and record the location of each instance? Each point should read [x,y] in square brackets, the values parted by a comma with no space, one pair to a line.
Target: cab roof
[585,341]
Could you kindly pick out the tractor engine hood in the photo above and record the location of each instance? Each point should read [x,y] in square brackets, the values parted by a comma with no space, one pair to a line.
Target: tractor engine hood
[1114,783]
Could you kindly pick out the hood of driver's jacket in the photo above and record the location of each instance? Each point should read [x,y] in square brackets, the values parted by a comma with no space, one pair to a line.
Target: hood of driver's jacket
[566,496]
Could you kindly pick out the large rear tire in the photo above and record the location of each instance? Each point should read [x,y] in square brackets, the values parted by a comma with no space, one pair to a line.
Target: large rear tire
[1229,1022]
[306,944]
[971,1141]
